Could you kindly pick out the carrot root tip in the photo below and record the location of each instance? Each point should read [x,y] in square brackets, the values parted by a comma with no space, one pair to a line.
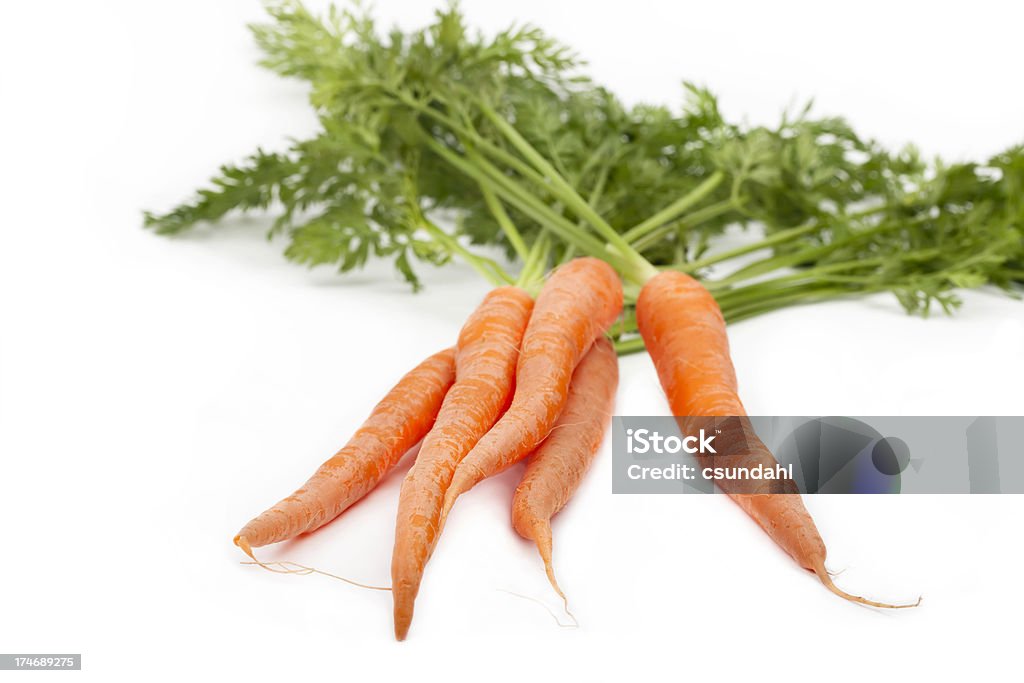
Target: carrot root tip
[243,543]
[541,531]
[826,579]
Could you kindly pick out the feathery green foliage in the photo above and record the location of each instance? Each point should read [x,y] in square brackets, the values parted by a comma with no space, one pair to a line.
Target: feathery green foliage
[506,140]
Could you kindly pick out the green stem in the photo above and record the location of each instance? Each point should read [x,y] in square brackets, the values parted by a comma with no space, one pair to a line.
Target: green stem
[487,175]
[496,277]
[508,189]
[763,295]
[676,208]
[571,198]
[470,133]
[532,275]
[593,199]
[723,294]
[625,324]
[515,238]
[691,220]
[808,295]
[528,203]
[628,346]
[797,257]
[772,240]
[629,262]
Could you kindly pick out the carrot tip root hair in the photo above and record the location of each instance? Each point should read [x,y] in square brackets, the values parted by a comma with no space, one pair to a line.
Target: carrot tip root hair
[294,567]
[285,567]
[575,622]
[827,580]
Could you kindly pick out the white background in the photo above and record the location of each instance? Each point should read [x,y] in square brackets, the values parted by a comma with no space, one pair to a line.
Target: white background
[156,394]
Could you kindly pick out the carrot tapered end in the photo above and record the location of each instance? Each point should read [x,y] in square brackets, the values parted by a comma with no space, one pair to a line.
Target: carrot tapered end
[402,623]
[541,532]
[403,592]
[827,580]
[243,543]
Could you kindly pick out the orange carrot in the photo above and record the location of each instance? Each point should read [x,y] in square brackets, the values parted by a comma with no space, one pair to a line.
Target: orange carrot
[684,332]
[579,301]
[485,361]
[396,424]
[557,467]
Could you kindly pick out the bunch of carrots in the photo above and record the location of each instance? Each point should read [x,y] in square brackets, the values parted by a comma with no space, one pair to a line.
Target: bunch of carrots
[527,377]
[533,378]
[526,156]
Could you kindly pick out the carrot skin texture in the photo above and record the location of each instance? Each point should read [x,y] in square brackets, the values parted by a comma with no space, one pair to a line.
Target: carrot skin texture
[685,335]
[397,423]
[557,467]
[486,357]
[577,304]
